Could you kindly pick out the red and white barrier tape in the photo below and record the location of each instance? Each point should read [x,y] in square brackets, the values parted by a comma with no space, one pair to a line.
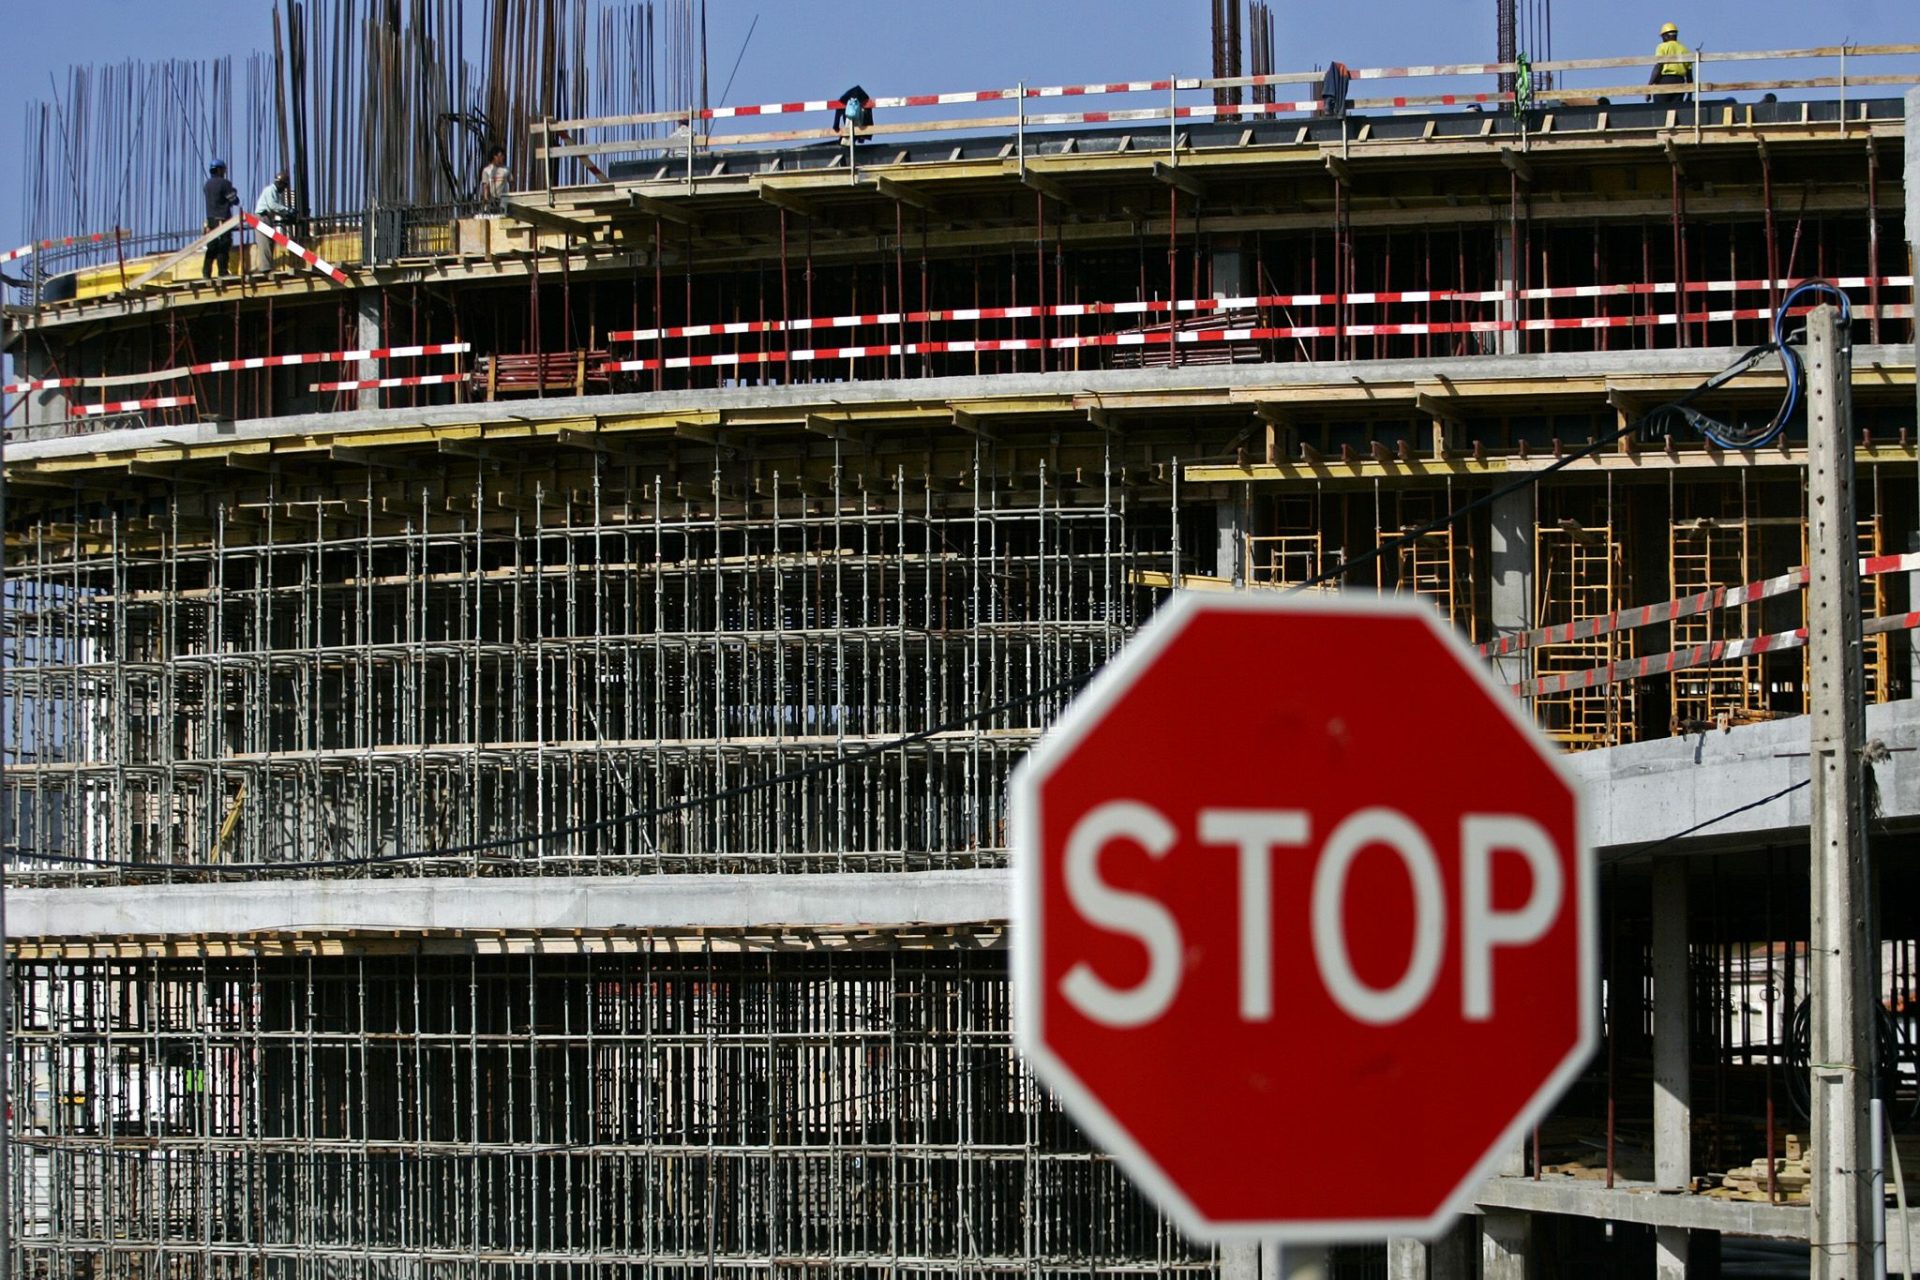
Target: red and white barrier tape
[1683,607]
[373,384]
[129,406]
[1698,656]
[333,357]
[1195,337]
[37,246]
[1204,305]
[292,246]
[41,384]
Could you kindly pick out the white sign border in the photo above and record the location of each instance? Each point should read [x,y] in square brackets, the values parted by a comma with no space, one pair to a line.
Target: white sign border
[1081,716]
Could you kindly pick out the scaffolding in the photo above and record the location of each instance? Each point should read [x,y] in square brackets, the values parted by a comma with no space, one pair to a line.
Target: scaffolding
[318,680]
[1580,573]
[1703,554]
[689,1108]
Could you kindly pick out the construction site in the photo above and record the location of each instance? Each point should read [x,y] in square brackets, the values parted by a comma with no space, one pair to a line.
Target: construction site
[508,703]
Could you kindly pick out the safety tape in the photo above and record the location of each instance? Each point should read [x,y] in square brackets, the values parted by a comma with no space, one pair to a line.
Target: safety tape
[1698,656]
[1200,337]
[1204,305]
[98,237]
[371,384]
[253,362]
[333,357]
[300,251]
[129,406]
[40,384]
[1683,607]
[1095,90]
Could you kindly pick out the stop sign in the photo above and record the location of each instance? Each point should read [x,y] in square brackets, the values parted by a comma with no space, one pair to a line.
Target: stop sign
[1303,923]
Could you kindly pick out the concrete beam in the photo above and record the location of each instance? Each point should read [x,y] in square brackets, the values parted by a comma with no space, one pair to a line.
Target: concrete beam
[1648,791]
[550,904]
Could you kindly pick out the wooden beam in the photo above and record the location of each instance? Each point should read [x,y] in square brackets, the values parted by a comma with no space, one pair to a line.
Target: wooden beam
[1175,176]
[1342,171]
[358,457]
[479,449]
[904,194]
[1514,160]
[835,429]
[972,425]
[187,252]
[547,220]
[1050,187]
[785,198]
[664,210]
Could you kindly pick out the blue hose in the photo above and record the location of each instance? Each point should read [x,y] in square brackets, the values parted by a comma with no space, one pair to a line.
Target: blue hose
[1789,360]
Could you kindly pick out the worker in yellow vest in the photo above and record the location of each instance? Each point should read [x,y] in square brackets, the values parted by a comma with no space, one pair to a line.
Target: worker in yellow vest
[1673,61]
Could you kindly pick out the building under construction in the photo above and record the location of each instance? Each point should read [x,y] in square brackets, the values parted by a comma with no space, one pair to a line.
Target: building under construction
[508,705]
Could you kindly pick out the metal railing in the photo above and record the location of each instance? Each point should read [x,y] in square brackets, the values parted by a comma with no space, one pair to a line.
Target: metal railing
[1468,84]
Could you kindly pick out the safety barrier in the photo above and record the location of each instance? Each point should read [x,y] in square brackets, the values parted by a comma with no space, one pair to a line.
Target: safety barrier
[131,406]
[298,250]
[1228,333]
[1172,111]
[1693,605]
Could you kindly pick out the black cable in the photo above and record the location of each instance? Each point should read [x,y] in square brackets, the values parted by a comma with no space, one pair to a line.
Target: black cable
[1664,841]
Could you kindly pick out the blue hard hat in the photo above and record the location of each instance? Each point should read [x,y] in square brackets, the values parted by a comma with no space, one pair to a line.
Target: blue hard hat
[216,163]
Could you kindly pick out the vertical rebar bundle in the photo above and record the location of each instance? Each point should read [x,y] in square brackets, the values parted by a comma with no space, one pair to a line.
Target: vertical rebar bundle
[389,102]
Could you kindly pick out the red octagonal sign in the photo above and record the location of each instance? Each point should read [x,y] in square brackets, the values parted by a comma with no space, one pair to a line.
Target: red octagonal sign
[1303,923]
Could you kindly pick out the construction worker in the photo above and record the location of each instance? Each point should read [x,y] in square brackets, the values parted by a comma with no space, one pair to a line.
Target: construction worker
[495,182]
[275,209]
[1673,61]
[855,111]
[222,199]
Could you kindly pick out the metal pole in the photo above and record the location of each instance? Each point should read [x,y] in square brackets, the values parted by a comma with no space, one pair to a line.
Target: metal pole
[1841,981]
[1020,131]
[9,827]
[1173,120]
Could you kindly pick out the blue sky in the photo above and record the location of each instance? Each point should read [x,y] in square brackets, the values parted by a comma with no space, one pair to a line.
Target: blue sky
[811,50]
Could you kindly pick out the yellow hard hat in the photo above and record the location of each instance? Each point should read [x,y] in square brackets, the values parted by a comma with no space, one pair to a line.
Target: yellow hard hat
[1668,29]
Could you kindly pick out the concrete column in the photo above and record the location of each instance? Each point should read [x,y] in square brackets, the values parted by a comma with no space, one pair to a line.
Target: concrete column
[39,406]
[1504,1238]
[1294,1262]
[1450,1257]
[1846,1212]
[1232,268]
[1508,266]
[1672,1059]
[1229,518]
[1240,1262]
[368,304]
[1407,1259]
[1512,576]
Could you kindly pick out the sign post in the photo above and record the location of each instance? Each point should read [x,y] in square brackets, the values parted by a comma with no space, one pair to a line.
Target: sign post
[1303,922]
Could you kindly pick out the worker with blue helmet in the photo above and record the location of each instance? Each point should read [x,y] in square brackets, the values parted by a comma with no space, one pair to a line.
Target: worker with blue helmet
[222,199]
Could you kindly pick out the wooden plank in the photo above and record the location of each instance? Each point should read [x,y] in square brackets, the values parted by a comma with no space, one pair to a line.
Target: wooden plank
[187,252]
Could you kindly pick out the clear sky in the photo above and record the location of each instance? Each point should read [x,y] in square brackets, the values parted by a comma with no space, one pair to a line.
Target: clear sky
[813,50]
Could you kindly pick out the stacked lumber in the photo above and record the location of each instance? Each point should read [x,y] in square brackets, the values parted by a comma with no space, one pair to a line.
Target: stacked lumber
[1790,1177]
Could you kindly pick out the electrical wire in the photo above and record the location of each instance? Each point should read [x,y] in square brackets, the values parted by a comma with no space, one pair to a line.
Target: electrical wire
[1648,421]
[1726,436]
[1664,841]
